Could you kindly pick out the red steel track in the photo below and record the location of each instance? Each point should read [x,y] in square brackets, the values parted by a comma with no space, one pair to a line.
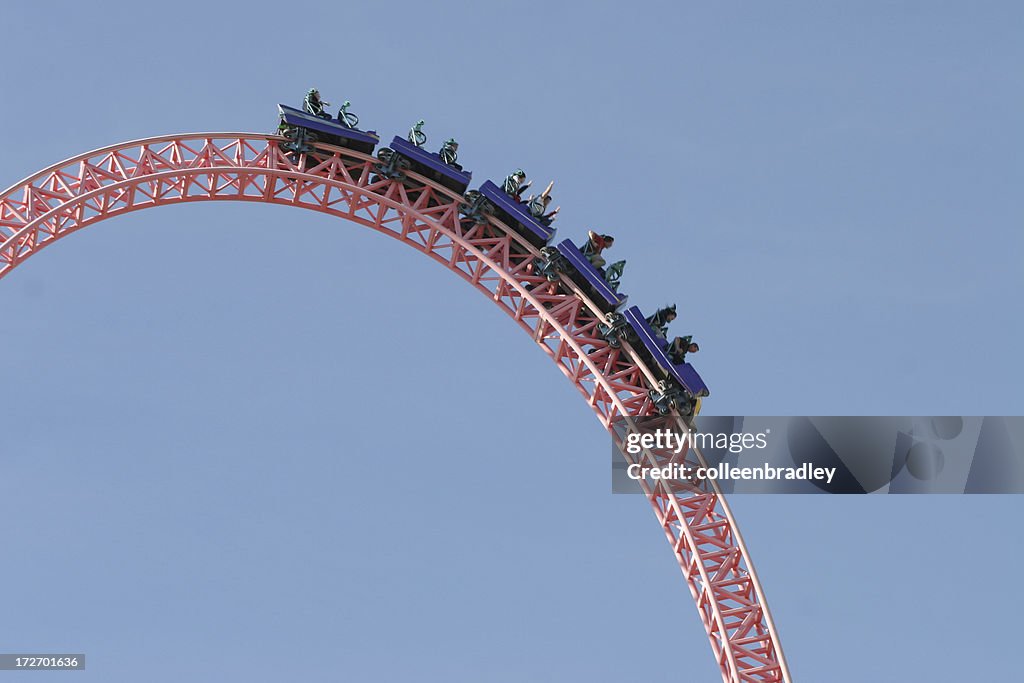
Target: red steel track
[425,216]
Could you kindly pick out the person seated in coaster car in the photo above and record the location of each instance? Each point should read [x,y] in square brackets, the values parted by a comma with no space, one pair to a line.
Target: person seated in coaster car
[539,205]
[416,134]
[660,320]
[450,152]
[594,246]
[312,104]
[679,347]
[513,185]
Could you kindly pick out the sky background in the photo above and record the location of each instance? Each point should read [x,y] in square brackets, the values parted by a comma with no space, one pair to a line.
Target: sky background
[251,443]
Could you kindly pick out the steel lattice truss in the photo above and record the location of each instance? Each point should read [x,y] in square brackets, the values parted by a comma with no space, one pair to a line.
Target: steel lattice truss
[561,320]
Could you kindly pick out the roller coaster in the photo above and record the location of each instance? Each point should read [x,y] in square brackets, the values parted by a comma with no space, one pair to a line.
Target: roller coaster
[491,239]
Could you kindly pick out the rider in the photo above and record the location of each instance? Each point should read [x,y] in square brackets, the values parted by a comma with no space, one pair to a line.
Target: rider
[680,347]
[594,246]
[513,184]
[450,152]
[660,320]
[539,205]
[314,105]
[416,134]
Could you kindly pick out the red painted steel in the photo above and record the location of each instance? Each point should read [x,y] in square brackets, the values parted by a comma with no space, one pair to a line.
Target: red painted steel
[425,216]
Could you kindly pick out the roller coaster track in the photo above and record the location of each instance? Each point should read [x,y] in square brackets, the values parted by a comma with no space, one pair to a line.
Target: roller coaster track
[424,215]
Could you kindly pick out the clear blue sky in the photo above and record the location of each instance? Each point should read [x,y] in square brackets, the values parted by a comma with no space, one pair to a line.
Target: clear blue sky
[232,454]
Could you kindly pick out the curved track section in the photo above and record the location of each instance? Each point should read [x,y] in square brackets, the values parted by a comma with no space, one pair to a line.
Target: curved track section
[425,216]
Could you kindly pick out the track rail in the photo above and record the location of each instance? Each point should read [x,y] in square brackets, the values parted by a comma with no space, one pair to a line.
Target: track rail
[171,169]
